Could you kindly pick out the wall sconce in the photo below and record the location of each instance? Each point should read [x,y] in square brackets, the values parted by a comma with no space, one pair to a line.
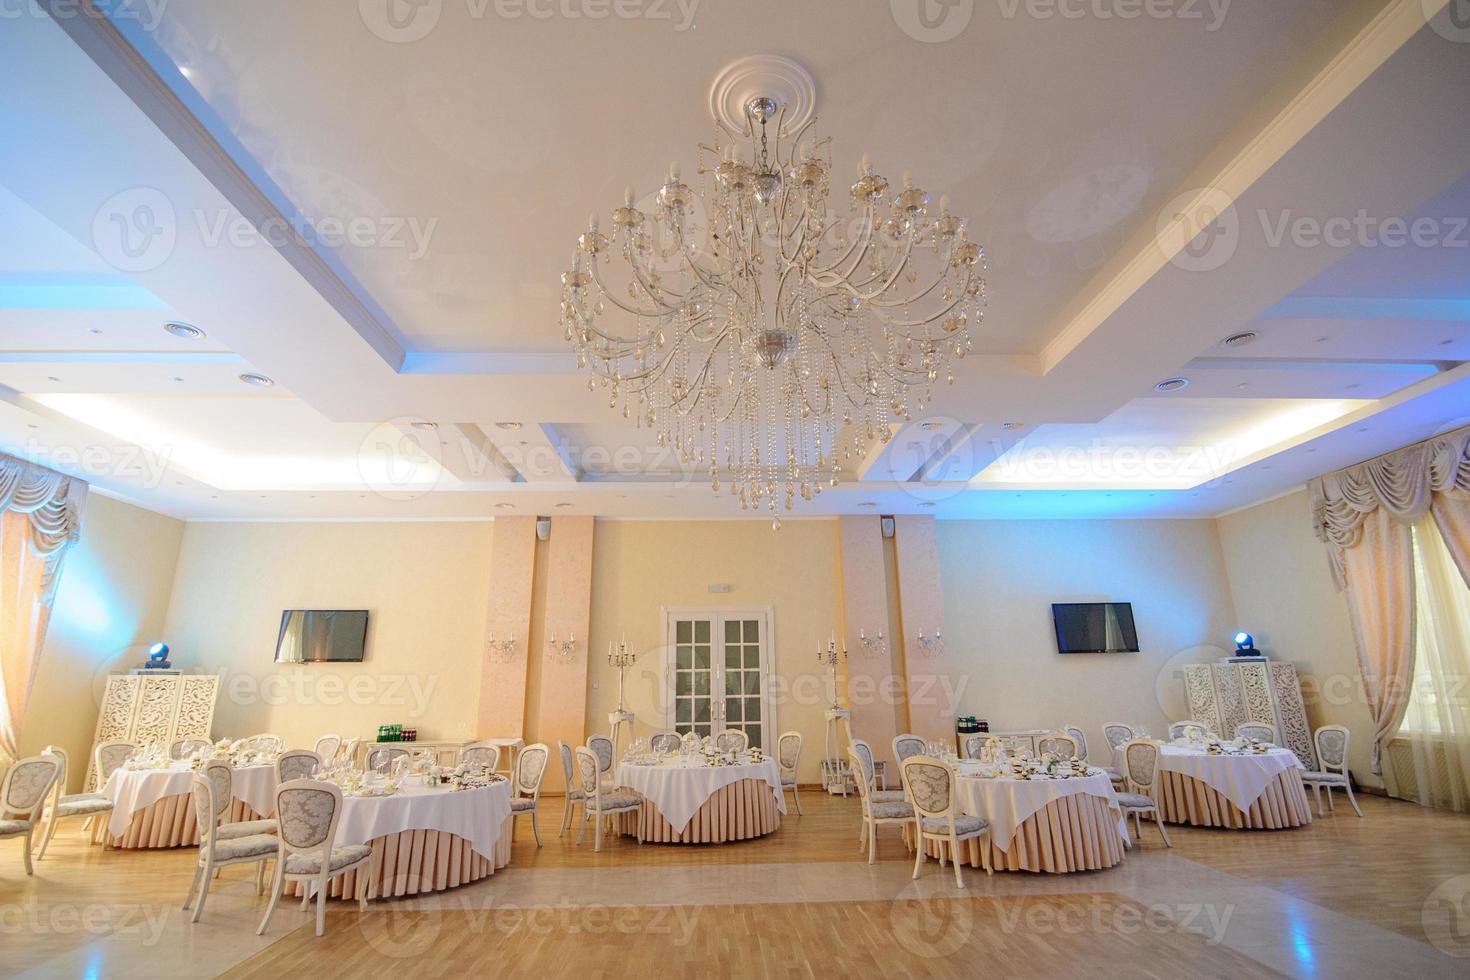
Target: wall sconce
[876,646]
[501,651]
[932,646]
[563,650]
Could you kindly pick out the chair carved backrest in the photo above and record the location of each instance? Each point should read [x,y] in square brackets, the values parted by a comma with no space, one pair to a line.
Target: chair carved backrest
[930,785]
[264,742]
[568,765]
[184,748]
[664,742]
[864,786]
[1332,747]
[588,770]
[1118,734]
[297,764]
[732,740]
[1058,745]
[905,746]
[1183,729]
[1257,731]
[380,757]
[602,747]
[26,785]
[59,788]
[480,754]
[326,747]
[205,806]
[863,753]
[222,780]
[1141,756]
[109,757]
[531,769]
[788,751]
[1078,739]
[348,752]
[307,811]
[973,744]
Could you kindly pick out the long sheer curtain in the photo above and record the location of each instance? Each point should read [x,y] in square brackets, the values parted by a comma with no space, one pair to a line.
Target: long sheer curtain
[40,518]
[1436,722]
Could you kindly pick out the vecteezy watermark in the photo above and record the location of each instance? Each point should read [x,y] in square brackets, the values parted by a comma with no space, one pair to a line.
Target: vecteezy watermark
[1210,13]
[402,933]
[139,463]
[1452,22]
[399,459]
[138,230]
[928,925]
[1098,915]
[1445,916]
[1199,230]
[406,21]
[147,13]
[932,21]
[34,918]
[411,693]
[1105,463]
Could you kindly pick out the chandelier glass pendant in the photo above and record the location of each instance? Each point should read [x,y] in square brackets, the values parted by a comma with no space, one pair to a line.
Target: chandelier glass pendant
[764,330]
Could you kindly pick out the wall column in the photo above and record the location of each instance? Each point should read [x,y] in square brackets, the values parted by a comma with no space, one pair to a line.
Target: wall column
[568,604]
[871,678]
[502,712]
[932,697]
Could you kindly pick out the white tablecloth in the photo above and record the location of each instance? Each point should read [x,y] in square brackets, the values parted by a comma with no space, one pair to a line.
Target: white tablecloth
[1008,803]
[1241,779]
[133,790]
[477,815]
[678,790]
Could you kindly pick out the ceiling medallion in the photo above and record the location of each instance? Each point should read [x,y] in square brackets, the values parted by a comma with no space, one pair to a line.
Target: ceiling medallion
[764,330]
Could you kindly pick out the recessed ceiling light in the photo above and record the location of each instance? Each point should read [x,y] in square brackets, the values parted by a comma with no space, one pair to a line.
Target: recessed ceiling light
[926,503]
[504,506]
[508,426]
[424,425]
[867,503]
[32,425]
[1323,340]
[1447,341]
[563,505]
[1353,386]
[53,379]
[1172,384]
[1311,449]
[1242,386]
[259,380]
[1362,428]
[1011,425]
[1239,339]
[94,330]
[930,425]
[178,379]
[185,330]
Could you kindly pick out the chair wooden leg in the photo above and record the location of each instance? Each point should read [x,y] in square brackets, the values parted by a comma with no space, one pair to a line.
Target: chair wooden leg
[535,828]
[1349,787]
[193,886]
[1317,796]
[260,877]
[795,795]
[203,887]
[918,854]
[954,853]
[362,886]
[277,886]
[47,835]
[582,831]
[1159,819]
[1330,805]
[872,842]
[321,908]
[30,870]
[985,861]
[566,816]
[597,835]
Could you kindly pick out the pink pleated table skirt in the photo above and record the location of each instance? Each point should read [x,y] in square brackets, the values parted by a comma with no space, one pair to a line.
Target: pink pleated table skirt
[739,811]
[1184,799]
[415,862]
[1074,833]
[166,822]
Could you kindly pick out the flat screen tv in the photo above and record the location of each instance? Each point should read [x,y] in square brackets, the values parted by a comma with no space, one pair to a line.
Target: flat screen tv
[1095,627]
[311,636]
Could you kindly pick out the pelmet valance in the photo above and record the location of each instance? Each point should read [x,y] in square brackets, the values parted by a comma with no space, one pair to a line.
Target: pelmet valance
[1402,482]
[52,501]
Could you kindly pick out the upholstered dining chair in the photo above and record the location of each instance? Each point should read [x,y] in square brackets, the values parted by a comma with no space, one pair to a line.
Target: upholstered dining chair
[1257,731]
[222,778]
[973,744]
[482,754]
[907,745]
[575,796]
[788,754]
[211,796]
[184,748]
[870,773]
[63,805]
[327,746]
[348,752]
[602,747]
[732,740]
[1081,740]
[877,813]
[307,851]
[1141,758]
[1182,729]
[1058,744]
[380,758]
[1332,754]
[665,742]
[264,742]
[526,786]
[599,804]
[108,758]
[931,788]
[22,796]
[1117,734]
[297,764]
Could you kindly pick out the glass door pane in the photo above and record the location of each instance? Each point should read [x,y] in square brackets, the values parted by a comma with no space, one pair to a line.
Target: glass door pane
[693,670]
[741,681]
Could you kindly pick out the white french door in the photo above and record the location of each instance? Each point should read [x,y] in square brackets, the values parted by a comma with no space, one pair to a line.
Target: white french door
[715,664]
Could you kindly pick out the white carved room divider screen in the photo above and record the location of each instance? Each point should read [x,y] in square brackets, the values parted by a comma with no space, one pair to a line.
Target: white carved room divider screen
[140,708]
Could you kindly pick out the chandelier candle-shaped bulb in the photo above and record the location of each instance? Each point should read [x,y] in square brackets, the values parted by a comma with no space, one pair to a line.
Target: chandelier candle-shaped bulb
[765,328]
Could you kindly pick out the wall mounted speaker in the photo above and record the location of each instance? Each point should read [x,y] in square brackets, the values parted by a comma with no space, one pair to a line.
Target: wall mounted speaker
[543,529]
[886,523]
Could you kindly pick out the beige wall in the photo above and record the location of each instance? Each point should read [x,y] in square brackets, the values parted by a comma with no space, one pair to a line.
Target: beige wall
[638,567]
[424,584]
[110,604]
[1000,579]
[1284,596]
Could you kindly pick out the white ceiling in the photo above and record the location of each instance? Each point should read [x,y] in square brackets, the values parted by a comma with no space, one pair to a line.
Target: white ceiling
[476,151]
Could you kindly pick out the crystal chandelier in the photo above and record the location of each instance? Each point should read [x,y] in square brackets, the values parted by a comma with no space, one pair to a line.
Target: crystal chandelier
[761,329]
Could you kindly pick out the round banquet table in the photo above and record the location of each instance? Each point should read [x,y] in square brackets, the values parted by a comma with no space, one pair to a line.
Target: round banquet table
[692,803]
[155,807]
[1238,792]
[1042,823]
[424,839]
